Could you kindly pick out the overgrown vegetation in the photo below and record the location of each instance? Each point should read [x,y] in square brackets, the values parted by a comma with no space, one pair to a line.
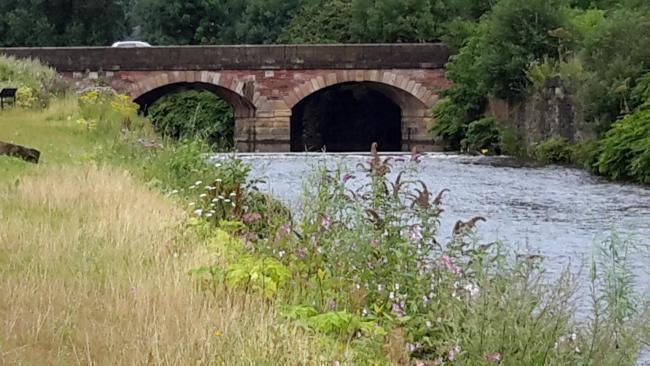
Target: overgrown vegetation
[194,115]
[36,83]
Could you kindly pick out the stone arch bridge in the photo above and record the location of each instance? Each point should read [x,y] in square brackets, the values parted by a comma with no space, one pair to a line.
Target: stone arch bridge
[266,85]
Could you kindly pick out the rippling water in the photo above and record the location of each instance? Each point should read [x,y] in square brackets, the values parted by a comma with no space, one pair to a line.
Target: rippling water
[559,212]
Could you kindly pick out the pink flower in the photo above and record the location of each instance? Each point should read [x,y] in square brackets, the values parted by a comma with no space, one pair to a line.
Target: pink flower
[347,177]
[451,355]
[301,253]
[493,357]
[449,264]
[251,217]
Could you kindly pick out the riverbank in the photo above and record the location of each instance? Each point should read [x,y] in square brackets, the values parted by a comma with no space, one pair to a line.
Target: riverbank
[97,243]
[93,263]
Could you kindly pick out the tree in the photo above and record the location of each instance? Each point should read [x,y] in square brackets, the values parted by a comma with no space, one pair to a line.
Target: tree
[321,21]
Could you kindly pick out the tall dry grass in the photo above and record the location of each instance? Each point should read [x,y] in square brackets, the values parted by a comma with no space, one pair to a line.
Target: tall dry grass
[93,271]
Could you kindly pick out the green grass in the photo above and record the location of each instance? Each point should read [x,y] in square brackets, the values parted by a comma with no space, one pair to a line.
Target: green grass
[94,264]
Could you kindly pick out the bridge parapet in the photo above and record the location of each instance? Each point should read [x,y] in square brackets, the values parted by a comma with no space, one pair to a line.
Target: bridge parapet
[245,57]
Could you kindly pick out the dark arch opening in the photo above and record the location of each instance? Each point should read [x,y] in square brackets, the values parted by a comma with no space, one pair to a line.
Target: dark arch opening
[241,107]
[346,117]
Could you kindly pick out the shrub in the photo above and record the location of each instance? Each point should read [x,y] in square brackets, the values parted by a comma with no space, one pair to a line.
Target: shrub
[194,115]
[554,151]
[624,152]
[482,136]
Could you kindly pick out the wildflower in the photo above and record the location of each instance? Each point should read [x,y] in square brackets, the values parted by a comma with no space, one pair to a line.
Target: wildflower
[398,309]
[217,165]
[203,195]
[301,253]
[175,255]
[217,333]
[380,287]
[472,289]
[416,233]
[209,215]
[451,355]
[218,180]
[577,349]
[485,151]
[364,312]
[210,188]
[411,347]
[325,222]
[198,212]
[374,243]
[493,357]
[425,300]
[215,200]
[227,200]
[192,204]
[428,324]
[391,295]
[281,253]
[573,337]
[251,217]
[347,177]
[397,287]
[232,194]
[449,264]
[332,304]
[175,191]
[198,183]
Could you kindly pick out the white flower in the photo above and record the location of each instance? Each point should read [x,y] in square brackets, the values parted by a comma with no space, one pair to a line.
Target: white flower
[472,289]
[198,212]
[397,286]
[198,183]
[233,194]
[577,349]
[364,312]
[380,288]
[215,200]
[281,253]
[391,295]
[217,165]
[175,255]
[218,180]
[428,324]
[203,195]
[209,214]
[226,201]
[573,337]
[192,204]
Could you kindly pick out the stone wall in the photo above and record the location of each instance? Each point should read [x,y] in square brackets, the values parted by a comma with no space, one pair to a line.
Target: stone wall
[547,113]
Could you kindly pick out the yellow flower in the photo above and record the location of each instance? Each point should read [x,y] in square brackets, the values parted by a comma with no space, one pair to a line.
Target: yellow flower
[485,151]
[217,333]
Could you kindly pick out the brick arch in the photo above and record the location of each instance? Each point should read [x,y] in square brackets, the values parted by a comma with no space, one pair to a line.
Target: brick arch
[404,84]
[232,90]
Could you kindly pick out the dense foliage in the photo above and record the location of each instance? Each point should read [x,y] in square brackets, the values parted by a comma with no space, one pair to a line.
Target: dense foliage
[36,83]
[194,115]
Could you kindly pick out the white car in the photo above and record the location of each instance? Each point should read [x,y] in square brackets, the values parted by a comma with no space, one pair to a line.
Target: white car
[131,44]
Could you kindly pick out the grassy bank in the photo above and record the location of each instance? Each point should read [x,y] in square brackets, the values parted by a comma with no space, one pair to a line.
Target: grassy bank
[94,265]
[122,248]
